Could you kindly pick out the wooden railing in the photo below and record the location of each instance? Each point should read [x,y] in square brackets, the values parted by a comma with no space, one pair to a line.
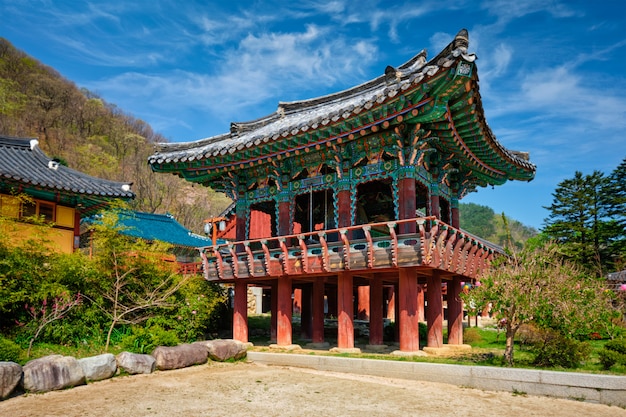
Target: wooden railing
[368,247]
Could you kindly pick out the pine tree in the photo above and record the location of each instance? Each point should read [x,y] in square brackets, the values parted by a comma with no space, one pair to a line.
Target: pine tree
[615,198]
[579,220]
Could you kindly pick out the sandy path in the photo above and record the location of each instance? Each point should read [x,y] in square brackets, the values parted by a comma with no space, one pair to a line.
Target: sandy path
[246,389]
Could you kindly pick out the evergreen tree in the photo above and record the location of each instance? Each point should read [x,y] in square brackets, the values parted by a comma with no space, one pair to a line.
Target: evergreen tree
[579,220]
[615,197]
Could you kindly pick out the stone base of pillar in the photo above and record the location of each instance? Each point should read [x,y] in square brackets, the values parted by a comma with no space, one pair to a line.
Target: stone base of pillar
[446,350]
[409,353]
[285,347]
[318,345]
[345,350]
[376,348]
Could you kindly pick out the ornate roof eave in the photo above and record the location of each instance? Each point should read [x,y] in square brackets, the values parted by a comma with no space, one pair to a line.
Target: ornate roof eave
[402,93]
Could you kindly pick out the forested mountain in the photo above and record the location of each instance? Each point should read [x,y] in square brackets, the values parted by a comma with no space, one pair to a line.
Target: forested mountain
[482,221]
[93,136]
[88,134]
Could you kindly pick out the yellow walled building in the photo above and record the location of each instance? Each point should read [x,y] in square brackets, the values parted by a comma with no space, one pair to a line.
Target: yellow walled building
[34,186]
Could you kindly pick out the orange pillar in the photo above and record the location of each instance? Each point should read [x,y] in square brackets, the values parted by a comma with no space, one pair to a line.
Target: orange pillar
[420,303]
[345,311]
[434,311]
[317,332]
[407,298]
[283,335]
[376,310]
[363,302]
[455,312]
[274,313]
[240,312]
[306,311]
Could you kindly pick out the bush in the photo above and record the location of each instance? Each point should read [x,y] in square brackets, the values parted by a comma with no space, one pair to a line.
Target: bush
[557,350]
[471,335]
[9,350]
[146,339]
[613,353]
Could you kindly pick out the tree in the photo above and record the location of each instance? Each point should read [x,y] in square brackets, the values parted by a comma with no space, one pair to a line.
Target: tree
[580,221]
[615,197]
[538,286]
[134,282]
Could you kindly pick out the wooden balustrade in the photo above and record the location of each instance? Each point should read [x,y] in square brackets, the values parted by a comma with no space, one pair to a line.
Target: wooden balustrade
[435,245]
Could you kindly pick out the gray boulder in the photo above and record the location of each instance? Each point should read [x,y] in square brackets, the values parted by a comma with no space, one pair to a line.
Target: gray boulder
[10,376]
[51,373]
[181,356]
[136,363]
[98,367]
[224,349]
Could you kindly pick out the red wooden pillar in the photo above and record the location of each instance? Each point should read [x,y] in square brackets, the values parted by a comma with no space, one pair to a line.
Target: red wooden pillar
[240,312]
[274,313]
[455,218]
[434,312]
[284,223]
[420,303]
[297,300]
[317,331]
[376,310]
[406,204]
[345,311]
[306,311]
[407,297]
[343,208]
[455,312]
[363,302]
[391,303]
[283,335]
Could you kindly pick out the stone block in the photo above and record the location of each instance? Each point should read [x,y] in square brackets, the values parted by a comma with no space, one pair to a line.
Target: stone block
[136,363]
[99,367]
[10,376]
[224,349]
[53,372]
[181,356]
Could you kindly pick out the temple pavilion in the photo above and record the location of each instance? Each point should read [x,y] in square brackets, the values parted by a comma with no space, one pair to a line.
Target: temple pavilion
[354,196]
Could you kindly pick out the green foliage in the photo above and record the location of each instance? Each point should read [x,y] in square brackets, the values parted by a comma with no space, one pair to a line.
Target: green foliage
[538,286]
[483,222]
[145,339]
[472,335]
[557,350]
[586,219]
[613,353]
[9,350]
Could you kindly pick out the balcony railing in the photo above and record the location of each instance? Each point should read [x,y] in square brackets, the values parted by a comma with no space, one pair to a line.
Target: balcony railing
[363,248]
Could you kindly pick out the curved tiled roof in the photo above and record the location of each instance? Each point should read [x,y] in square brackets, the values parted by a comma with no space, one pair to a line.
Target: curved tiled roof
[23,165]
[263,139]
[162,227]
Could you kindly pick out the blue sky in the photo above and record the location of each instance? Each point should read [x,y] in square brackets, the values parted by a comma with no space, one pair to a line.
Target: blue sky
[552,73]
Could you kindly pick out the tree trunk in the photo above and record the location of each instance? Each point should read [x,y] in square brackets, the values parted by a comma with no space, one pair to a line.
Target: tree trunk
[508,350]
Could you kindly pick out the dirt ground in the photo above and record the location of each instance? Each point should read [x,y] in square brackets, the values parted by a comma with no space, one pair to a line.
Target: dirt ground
[247,389]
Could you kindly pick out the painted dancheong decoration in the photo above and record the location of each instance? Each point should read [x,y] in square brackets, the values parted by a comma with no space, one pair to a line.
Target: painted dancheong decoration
[357,189]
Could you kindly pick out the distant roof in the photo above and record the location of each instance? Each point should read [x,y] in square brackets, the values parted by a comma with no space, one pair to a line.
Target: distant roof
[162,227]
[617,276]
[24,167]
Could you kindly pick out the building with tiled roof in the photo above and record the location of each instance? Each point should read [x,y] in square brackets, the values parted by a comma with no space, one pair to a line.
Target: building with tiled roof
[357,190]
[58,194]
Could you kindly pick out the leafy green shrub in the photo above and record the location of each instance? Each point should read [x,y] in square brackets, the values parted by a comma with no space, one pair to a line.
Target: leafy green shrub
[471,335]
[613,353]
[530,335]
[9,350]
[557,350]
[145,339]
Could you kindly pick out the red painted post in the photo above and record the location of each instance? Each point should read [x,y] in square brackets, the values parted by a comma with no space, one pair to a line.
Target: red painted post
[284,330]
[317,333]
[343,209]
[455,218]
[434,312]
[274,313]
[420,303]
[345,307]
[406,204]
[407,297]
[363,302]
[455,312]
[240,312]
[306,311]
[376,310]
[434,204]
